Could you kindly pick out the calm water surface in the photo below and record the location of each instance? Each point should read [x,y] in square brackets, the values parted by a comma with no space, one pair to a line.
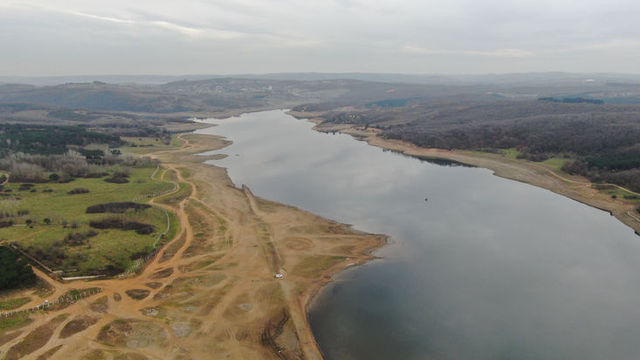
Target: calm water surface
[487,268]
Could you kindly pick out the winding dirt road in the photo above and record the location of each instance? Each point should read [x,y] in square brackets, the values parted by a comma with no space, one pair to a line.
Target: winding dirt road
[210,293]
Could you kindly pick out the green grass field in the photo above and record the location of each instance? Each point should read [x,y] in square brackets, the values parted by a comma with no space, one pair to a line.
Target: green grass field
[556,163]
[617,193]
[66,214]
[511,153]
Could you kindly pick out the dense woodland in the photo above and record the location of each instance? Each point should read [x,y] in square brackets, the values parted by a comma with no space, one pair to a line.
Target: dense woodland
[14,270]
[40,153]
[603,140]
[42,139]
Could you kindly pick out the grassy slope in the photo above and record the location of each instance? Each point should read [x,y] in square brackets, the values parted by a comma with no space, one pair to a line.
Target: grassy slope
[110,246]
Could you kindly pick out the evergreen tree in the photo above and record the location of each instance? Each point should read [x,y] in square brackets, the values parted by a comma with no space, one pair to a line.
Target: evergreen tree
[14,271]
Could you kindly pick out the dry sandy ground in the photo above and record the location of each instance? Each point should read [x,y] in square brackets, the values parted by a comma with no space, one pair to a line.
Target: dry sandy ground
[211,292]
[574,187]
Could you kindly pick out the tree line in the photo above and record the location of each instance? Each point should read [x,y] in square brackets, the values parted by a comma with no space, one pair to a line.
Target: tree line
[602,139]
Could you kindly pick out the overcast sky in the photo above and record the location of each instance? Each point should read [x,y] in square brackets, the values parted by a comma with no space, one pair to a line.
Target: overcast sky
[74,37]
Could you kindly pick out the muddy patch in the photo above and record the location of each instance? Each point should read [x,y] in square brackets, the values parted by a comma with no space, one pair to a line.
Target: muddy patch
[49,353]
[138,294]
[161,274]
[132,333]
[35,339]
[78,324]
[154,285]
[100,305]
[5,338]
[95,354]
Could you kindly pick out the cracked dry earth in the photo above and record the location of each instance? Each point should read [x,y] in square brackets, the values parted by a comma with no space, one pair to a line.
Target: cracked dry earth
[210,293]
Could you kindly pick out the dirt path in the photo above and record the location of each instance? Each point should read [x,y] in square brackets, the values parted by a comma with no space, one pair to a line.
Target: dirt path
[210,293]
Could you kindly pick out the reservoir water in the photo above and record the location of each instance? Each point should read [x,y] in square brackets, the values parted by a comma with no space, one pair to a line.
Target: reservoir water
[487,268]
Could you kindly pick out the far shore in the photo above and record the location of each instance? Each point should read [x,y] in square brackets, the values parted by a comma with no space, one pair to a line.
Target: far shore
[574,187]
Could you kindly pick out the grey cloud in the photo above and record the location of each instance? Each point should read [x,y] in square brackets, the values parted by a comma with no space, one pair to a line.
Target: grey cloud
[215,36]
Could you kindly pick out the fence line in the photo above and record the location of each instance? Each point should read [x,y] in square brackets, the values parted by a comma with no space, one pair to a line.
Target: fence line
[36,261]
[88,277]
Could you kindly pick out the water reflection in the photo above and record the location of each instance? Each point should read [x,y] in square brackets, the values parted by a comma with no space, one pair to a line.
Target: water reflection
[486,269]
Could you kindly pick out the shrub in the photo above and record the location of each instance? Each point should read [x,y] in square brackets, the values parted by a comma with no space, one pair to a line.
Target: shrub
[25,186]
[78,191]
[118,178]
[77,239]
[115,207]
[117,223]
[4,224]
[66,180]
[74,239]
[52,256]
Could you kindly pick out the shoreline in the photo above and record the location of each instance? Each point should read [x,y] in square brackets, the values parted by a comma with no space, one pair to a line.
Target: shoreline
[248,312]
[308,301]
[211,291]
[576,188]
[314,286]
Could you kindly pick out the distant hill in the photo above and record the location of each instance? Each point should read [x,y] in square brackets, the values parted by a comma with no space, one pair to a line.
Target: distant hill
[542,78]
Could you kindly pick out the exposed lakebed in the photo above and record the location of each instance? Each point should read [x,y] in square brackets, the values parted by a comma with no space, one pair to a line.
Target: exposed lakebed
[487,268]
